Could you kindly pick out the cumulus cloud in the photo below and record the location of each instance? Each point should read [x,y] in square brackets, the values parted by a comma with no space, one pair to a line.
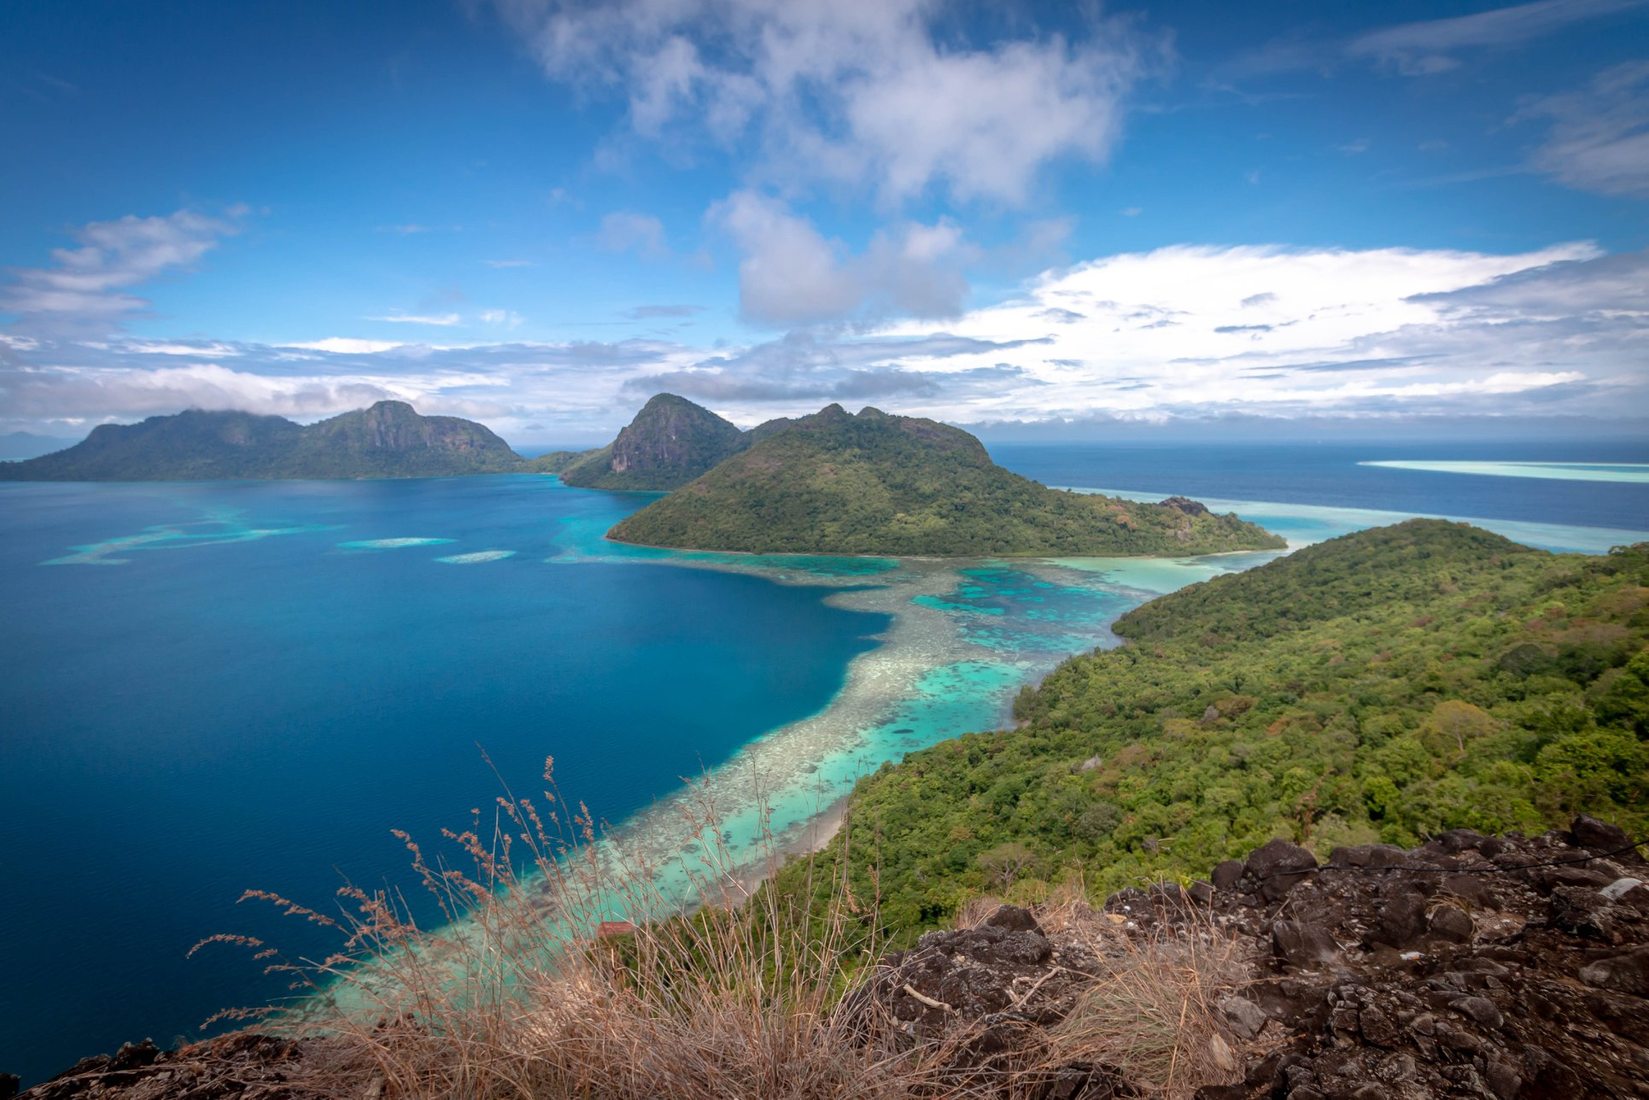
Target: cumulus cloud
[790,273]
[627,231]
[855,93]
[804,369]
[1190,331]
[1430,46]
[1599,135]
[88,288]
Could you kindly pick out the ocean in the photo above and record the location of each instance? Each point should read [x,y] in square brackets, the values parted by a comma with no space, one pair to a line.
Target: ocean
[215,687]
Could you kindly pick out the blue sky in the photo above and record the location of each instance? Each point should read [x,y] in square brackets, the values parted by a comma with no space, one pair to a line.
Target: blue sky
[536,213]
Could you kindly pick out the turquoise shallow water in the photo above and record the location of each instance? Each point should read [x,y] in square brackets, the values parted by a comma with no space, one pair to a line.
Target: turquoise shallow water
[216,687]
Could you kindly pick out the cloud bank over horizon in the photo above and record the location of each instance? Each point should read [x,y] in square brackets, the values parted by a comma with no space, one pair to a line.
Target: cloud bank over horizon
[1183,333]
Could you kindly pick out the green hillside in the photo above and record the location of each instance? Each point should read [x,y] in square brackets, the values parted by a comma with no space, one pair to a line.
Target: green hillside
[1384,686]
[389,439]
[670,442]
[834,483]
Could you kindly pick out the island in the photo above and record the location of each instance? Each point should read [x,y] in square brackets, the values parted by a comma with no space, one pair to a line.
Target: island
[1380,688]
[874,483]
[670,442]
[389,439]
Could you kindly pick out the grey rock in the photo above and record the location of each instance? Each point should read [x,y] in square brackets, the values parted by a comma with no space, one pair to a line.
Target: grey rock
[1299,944]
[1452,923]
[1628,973]
[1245,1017]
[1479,1009]
[1620,888]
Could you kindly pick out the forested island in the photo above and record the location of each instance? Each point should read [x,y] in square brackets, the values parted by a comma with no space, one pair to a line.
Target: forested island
[670,442]
[1386,686]
[389,439]
[836,483]
[830,483]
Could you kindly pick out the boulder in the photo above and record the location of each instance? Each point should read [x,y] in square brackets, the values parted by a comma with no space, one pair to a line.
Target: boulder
[1276,868]
[1599,836]
[1304,945]
[1244,1016]
[1628,973]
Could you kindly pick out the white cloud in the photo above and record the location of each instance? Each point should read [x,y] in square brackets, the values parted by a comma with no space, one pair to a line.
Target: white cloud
[348,345]
[860,93]
[1183,332]
[789,273]
[1599,137]
[1191,330]
[1428,47]
[87,288]
[444,320]
[628,231]
[214,349]
[504,317]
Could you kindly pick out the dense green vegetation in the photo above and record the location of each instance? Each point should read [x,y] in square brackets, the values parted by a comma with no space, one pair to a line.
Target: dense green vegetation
[670,442]
[832,483]
[389,439]
[1384,686]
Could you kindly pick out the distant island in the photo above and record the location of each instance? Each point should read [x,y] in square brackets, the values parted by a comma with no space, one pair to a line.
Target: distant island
[389,439]
[829,483]
[669,443]
[836,483]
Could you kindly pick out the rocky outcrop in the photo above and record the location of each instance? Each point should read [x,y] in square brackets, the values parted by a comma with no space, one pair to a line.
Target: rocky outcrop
[236,1067]
[670,442]
[1500,968]
[1472,966]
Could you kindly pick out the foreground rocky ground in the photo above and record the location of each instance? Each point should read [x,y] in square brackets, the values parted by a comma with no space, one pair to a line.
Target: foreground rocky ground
[1472,966]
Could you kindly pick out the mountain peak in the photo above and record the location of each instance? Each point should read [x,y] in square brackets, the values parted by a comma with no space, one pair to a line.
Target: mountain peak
[388,439]
[876,483]
[670,442]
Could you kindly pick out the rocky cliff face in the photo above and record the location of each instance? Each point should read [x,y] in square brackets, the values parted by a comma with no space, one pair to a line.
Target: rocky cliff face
[390,439]
[670,442]
[1473,966]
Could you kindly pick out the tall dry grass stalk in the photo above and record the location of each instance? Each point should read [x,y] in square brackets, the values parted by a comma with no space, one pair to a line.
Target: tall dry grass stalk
[526,989]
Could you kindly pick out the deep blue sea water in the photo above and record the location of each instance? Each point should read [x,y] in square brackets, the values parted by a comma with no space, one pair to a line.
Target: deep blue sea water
[211,687]
[224,710]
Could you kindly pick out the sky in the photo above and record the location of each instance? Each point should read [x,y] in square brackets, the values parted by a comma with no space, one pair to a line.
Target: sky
[1065,220]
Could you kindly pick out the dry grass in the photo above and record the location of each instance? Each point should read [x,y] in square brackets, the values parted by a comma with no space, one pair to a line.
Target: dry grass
[1151,1012]
[516,996]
